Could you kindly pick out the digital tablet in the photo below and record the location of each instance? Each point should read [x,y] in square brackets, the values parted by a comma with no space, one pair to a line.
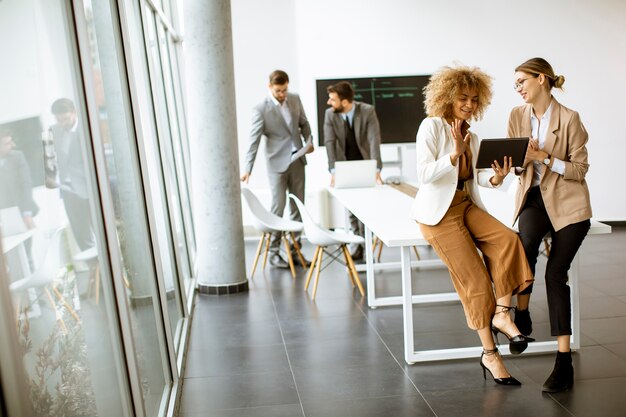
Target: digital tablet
[496,149]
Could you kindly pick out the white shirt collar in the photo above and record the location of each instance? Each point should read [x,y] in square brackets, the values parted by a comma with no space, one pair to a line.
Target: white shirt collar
[276,102]
[546,115]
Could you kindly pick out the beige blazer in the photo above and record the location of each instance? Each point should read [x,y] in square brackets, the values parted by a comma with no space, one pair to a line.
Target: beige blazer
[436,174]
[566,197]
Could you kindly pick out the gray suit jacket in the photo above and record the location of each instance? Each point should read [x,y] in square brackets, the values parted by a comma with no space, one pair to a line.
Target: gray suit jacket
[366,130]
[68,147]
[16,186]
[268,121]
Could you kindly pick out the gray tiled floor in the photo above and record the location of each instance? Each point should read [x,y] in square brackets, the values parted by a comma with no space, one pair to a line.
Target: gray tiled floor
[275,352]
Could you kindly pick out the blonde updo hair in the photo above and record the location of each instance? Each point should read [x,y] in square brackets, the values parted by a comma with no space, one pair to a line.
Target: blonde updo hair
[536,66]
[449,82]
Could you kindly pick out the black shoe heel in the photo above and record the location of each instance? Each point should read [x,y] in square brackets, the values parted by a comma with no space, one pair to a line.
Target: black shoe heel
[523,321]
[517,344]
[562,376]
[500,381]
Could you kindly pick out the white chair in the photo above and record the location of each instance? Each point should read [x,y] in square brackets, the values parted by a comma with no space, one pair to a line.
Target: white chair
[90,256]
[45,276]
[323,238]
[268,223]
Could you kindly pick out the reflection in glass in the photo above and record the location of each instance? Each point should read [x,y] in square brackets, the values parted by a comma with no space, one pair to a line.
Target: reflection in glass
[184,225]
[172,211]
[65,317]
[130,212]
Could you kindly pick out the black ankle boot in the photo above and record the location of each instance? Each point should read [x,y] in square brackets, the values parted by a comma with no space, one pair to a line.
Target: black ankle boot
[562,377]
[523,321]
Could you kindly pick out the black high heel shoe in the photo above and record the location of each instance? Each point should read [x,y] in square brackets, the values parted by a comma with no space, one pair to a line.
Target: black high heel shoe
[500,381]
[517,344]
[523,321]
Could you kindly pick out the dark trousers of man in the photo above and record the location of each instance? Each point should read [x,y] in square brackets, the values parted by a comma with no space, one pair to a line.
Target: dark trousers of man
[353,154]
[79,215]
[291,181]
[534,225]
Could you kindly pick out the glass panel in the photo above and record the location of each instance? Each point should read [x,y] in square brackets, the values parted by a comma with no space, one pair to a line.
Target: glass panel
[164,146]
[182,211]
[52,237]
[130,212]
[183,163]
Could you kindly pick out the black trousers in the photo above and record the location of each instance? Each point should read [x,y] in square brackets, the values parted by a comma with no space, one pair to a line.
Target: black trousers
[534,225]
[79,215]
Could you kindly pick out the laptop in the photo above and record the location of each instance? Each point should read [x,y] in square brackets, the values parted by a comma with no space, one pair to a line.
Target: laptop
[355,174]
[11,222]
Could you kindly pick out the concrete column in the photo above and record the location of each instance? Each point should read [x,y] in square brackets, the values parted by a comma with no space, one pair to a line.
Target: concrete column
[211,111]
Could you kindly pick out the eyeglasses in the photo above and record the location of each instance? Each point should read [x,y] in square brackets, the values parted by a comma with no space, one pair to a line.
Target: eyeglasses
[520,83]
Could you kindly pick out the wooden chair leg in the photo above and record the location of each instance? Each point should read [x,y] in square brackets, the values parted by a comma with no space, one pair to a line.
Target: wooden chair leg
[18,309]
[374,244]
[317,272]
[354,273]
[343,250]
[298,252]
[258,254]
[66,304]
[417,255]
[313,262]
[90,284]
[97,272]
[267,248]
[546,244]
[380,250]
[54,308]
[289,257]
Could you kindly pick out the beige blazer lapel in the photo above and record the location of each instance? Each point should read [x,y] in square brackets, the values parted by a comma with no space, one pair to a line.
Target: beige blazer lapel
[555,121]
[527,131]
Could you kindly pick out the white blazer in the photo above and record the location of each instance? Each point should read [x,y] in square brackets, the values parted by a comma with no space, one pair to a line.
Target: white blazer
[436,174]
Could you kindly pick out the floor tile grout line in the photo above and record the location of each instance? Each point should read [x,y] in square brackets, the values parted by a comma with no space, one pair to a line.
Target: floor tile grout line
[282,336]
[393,356]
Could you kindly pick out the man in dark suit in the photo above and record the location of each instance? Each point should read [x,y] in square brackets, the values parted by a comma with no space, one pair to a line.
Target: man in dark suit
[16,186]
[351,132]
[68,145]
[280,118]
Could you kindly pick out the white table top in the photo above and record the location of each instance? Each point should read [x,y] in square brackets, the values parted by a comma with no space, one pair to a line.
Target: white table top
[13,241]
[386,212]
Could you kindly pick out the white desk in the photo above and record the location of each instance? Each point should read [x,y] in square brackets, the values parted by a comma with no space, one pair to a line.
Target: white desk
[17,242]
[385,212]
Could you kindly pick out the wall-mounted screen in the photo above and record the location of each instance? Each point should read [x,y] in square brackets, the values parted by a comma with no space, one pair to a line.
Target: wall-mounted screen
[399,103]
[26,134]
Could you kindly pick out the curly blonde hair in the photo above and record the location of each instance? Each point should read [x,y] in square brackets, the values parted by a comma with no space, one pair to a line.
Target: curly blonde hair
[448,83]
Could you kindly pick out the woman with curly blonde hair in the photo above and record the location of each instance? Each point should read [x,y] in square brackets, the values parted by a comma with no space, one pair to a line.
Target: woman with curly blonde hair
[453,219]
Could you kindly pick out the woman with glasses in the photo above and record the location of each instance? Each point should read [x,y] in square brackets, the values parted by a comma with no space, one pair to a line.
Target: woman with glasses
[453,219]
[552,198]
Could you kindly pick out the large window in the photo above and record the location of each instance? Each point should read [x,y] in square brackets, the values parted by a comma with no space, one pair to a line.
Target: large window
[53,241]
[95,218]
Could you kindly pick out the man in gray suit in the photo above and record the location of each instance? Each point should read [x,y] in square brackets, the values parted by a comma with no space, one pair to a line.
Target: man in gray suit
[16,186]
[351,132]
[68,143]
[280,118]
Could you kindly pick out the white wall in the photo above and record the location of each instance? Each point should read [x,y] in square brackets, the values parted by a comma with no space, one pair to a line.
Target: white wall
[35,65]
[585,41]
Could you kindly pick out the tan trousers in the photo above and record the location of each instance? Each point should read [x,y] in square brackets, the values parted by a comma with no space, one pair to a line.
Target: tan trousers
[463,229]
